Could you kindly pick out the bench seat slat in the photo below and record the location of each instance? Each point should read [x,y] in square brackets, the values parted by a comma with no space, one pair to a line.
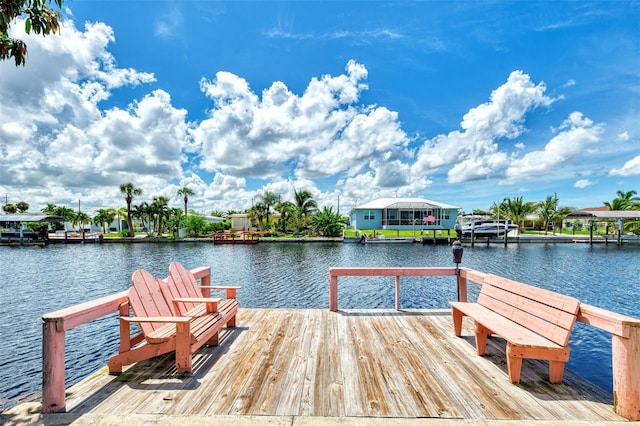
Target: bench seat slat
[510,331]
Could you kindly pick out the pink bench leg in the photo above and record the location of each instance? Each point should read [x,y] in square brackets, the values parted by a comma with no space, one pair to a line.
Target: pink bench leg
[514,366]
[183,348]
[457,321]
[556,371]
[482,333]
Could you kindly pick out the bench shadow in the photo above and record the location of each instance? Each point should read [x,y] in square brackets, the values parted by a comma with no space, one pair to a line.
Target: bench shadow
[160,373]
[377,312]
[535,376]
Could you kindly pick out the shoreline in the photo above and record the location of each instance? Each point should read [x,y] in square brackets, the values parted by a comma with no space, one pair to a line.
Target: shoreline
[424,240]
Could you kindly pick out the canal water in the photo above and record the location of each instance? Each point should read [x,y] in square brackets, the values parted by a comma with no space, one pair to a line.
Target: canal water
[35,281]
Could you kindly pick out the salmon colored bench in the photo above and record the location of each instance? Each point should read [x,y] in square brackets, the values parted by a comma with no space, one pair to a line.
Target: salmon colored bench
[163,328]
[536,323]
[181,284]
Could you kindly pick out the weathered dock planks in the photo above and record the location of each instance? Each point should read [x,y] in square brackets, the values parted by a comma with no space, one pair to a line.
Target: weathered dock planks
[355,363]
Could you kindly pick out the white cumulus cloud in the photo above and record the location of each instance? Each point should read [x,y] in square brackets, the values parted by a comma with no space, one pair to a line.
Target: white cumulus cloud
[630,168]
[576,134]
[582,183]
[472,153]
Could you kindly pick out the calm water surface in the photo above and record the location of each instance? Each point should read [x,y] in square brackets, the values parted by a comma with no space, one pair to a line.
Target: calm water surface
[35,281]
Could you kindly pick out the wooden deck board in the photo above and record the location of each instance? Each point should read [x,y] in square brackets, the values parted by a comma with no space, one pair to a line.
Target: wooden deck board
[356,363]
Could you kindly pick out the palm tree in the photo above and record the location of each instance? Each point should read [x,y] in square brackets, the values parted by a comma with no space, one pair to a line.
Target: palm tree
[129,192]
[66,212]
[305,205]
[624,201]
[104,217]
[256,213]
[121,213]
[286,209]
[185,192]
[142,212]
[497,211]
[49,209]
[269,199]
[176,221]
[547,211]
[516,210]
[80,218]
[161,212]
[561,214]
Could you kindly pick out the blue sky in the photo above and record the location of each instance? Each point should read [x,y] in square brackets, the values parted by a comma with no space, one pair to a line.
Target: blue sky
[465,103]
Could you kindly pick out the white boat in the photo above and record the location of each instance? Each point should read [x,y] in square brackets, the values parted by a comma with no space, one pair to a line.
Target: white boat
[488,228]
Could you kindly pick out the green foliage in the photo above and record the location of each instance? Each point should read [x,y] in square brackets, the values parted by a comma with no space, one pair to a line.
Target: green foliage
[66,212]
[327,223]
[195,225]
[22,206]
[80,219]
[304,207]
[104,217]
[36,226]
[39,18]
[10,208]
[624,201]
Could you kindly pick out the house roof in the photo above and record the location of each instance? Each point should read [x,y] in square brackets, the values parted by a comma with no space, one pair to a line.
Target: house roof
[605,214]
[595,209]
[31,218]
[404,203]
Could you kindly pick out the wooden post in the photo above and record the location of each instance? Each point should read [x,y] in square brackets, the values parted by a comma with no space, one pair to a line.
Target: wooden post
[53,397]
[205,281]
[626,374]
[333,292]
[462,287]
[397,292]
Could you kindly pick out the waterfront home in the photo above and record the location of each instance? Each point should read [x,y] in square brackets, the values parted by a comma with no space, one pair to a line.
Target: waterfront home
[13,226]
[404,214]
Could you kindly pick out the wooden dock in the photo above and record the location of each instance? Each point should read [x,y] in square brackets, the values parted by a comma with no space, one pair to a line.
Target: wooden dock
[354,363]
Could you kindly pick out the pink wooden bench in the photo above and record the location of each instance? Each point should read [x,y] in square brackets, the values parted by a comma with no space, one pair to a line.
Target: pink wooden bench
[181,284]
[536,323]
[162,331]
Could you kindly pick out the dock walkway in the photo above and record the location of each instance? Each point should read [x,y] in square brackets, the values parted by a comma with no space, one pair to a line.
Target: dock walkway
[357,364]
